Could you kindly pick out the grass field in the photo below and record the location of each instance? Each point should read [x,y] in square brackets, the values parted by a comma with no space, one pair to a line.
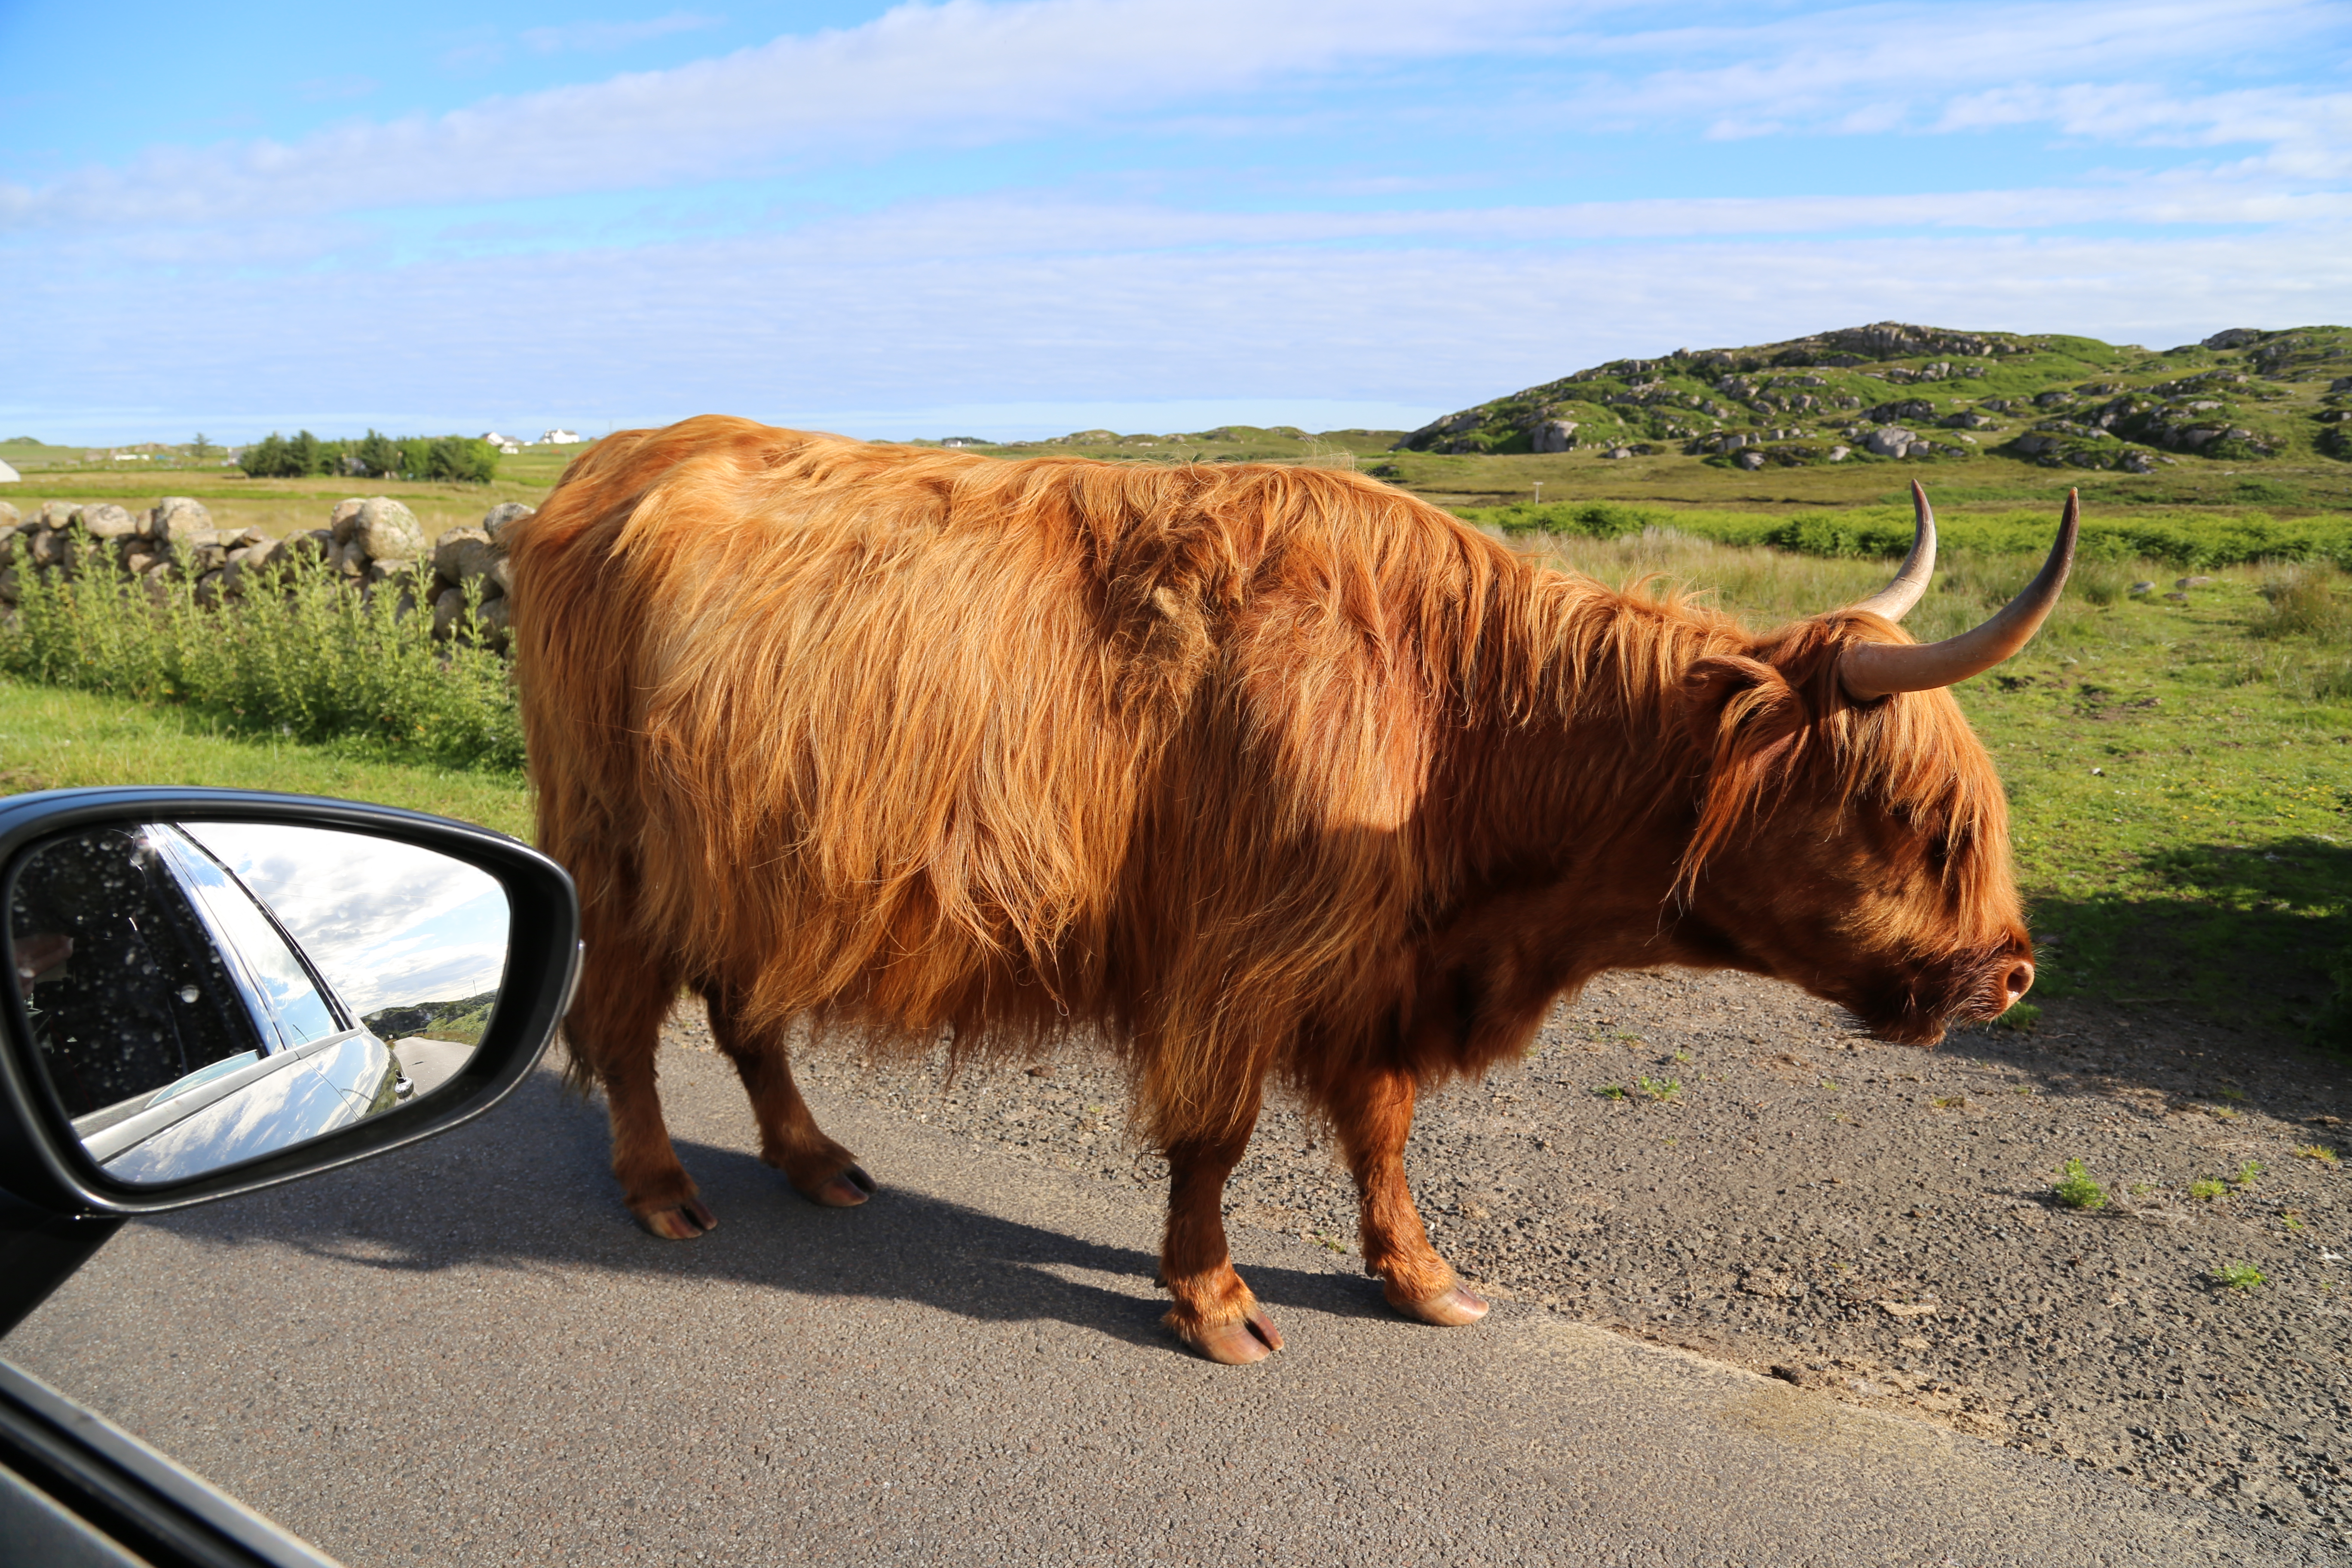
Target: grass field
[52,738]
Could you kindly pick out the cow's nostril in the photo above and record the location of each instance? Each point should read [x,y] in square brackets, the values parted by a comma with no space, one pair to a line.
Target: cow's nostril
[2020,980]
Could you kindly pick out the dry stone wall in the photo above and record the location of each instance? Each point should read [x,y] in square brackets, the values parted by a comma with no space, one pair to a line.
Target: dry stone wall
[369,541]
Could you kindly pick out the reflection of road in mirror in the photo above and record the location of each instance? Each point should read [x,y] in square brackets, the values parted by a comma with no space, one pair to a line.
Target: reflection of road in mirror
[206,993]
[415,942]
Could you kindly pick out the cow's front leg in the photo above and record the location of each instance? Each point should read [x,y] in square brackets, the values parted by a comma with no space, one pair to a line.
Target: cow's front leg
[1373,1114]
[1215,1311]
[819,1169]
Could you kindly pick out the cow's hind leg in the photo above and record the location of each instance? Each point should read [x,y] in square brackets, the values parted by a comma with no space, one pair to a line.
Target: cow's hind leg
[1373,1114]
[819,1169]
[1215,1311]
[614,1030]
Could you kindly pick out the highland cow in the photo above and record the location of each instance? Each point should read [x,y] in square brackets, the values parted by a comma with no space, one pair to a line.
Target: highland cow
[1258,776]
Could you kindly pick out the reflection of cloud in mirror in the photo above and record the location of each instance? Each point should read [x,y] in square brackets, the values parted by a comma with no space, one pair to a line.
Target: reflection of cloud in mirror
[388,924]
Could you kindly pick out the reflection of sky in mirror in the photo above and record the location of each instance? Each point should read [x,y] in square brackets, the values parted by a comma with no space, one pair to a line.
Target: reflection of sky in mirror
[388,924]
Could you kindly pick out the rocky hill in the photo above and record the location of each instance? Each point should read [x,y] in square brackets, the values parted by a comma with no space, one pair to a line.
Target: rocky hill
[1892,390]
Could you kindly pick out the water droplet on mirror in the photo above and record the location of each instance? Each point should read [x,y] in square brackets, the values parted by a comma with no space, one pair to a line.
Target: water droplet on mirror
[188,994]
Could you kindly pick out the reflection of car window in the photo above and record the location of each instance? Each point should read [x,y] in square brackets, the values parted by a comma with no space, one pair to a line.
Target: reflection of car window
[288,998]
[143,1000]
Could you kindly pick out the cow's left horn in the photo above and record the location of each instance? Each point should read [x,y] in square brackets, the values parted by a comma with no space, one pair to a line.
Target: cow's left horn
[1880,670]
[1910,585]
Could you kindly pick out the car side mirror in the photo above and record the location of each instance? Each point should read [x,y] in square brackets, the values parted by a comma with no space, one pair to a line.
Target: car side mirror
[215,991]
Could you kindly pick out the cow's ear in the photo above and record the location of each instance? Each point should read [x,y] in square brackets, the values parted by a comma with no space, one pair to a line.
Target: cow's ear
[1739,707]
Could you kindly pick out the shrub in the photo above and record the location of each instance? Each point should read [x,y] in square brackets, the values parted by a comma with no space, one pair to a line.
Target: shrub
[307,657]
[2076,1189]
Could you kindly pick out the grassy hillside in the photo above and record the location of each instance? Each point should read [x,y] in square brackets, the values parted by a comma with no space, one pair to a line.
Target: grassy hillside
[2247,419]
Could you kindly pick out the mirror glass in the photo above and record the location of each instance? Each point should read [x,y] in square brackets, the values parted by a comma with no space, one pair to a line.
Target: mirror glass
[206,993]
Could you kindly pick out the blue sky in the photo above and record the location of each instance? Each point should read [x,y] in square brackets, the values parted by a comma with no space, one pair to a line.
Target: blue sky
[1009,218]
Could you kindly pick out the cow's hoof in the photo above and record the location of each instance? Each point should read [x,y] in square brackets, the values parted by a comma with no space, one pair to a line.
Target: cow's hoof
[845,1189]
[1252,1339]
[1449,1309]
[682,1223]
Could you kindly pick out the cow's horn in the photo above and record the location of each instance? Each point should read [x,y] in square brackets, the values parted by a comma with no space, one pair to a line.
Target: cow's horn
[1910,585]
[1879,670]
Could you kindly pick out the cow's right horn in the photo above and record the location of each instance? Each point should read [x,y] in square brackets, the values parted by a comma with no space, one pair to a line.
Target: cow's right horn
[1872,669]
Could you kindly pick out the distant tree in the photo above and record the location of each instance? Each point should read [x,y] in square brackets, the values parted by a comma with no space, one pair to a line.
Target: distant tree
[379,454]
[269,459]
[460,458]
[200,448]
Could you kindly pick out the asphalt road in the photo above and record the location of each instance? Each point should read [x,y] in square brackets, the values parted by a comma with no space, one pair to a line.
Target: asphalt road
[467,1354]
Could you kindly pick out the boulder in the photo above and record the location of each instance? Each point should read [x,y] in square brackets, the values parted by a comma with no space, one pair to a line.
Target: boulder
[388,531]
[462,554]
[178,524]
[158,524]
[500,578]
[2143,587]
[2230,338]
[2137,462]
[2341,384]
[252,536]
[206,559]
[2191,582]
[8,589]
[1840,454]
[1750,460]
[9,516]
[59,513]
[507,512]
[346,512]
[447,609]
[104,519]
[211,588]
[348,558]
[1555,436]
[494,619]
[1890,441]
[138,561]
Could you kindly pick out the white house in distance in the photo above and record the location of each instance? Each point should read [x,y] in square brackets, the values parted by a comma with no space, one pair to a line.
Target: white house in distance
[508,445]
[560,438]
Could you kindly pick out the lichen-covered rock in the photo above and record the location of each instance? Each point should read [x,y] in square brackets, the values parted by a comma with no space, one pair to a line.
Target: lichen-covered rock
[499,579]
[179,524]
[388,531]
[447,609]
[175,517]
[505,512]
[104,519]
[346,513]
[461,554]
[58,514]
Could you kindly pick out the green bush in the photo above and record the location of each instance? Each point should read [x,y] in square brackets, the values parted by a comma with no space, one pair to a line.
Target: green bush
[462,458]
[306,656]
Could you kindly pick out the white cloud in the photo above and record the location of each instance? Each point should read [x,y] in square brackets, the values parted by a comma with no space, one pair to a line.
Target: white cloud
[387,923]
[961,72]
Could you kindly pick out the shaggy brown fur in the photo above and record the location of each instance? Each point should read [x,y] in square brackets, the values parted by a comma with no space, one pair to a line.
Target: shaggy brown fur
[1255,772]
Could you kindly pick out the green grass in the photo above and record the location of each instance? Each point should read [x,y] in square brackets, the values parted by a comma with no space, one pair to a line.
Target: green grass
[52,738]
[2240,1277]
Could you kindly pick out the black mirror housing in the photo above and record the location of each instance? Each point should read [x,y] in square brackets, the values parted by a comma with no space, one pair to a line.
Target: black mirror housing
[43,1162]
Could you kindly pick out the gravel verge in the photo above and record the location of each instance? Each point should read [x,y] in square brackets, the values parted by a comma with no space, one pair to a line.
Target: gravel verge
[1719,1163]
